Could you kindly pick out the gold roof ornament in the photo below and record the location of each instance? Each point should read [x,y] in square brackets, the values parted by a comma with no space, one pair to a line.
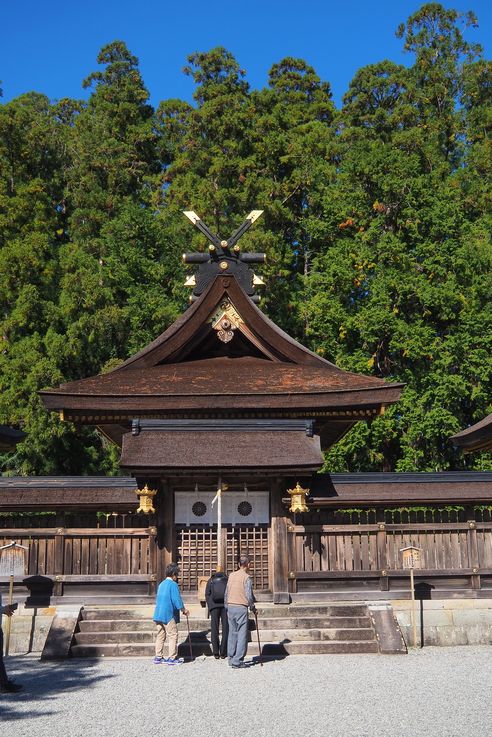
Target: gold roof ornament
[145,496]
[298,499]
[225,320]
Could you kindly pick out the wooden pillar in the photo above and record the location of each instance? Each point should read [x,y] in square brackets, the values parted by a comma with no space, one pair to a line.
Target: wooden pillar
[153,556]
[382,552]
[154,531]
[166,532]
[291,556]
[473,547]
[59,553]
[278,545]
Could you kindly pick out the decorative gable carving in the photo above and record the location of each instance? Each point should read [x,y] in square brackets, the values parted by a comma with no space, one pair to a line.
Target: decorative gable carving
[225,320]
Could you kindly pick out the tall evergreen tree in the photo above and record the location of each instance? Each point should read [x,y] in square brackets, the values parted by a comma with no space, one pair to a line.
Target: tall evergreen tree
[397,292]
[31,229]
[377,230]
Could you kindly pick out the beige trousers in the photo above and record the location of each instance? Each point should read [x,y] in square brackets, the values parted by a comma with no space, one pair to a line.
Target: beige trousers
[171,631]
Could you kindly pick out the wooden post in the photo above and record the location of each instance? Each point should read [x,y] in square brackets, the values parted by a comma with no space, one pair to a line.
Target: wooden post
[219,522]
[279,547]
[153,551]
[9,619]
[165,526]
[165,529]
[414,617]
[473,548]
[382,553]
[291,557]
[13,560]
[59,553]
[411,558]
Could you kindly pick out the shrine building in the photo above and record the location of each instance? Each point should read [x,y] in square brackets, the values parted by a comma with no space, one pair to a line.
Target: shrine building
[222,422]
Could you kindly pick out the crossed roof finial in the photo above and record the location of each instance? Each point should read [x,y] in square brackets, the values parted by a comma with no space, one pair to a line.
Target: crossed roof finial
[224,256]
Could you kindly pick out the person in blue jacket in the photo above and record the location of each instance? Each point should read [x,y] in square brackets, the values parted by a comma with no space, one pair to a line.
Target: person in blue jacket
[166,616]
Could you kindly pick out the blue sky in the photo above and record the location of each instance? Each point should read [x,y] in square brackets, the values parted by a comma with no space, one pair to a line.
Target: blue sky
[51,46]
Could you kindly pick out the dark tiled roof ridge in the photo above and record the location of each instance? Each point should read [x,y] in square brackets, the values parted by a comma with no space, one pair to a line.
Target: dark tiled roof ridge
[406,477]
[69,481]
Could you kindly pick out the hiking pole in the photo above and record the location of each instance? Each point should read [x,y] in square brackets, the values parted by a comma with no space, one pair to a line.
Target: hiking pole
[189,637]
[258,635]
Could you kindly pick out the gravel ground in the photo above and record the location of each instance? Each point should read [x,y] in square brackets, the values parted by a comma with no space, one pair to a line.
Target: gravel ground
[438,692]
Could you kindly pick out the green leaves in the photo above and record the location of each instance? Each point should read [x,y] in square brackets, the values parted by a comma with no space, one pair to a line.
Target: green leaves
[376,227]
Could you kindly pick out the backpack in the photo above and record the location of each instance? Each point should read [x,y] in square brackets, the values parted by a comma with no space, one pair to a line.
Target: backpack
[218,588]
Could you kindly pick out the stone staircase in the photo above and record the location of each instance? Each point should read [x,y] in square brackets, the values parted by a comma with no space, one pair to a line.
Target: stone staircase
[284,630]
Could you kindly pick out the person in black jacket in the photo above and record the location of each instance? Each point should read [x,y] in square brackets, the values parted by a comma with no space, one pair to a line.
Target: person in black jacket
[214,594]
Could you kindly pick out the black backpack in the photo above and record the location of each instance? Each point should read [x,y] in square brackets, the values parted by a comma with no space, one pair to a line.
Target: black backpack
[218,588]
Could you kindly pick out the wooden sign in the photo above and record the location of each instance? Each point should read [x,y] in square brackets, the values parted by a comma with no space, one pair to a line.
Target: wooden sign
[13,560]
[411,557]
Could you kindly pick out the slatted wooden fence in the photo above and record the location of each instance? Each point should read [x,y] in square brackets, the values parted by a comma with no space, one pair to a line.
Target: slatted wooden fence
[352,550]
[455,554]
[88,555]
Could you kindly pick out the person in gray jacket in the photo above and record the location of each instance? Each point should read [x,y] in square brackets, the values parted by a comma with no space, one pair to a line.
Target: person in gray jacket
[238,598]
[6,685]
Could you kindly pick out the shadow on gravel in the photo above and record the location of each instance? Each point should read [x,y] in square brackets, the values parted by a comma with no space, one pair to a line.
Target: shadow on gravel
[199,645]
[44,682]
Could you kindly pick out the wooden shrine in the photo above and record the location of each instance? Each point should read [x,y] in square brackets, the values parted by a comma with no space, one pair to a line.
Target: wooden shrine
[224,392]
[224,399]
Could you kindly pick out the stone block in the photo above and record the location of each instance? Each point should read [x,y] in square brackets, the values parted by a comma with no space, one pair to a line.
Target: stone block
[406,604]
[470,617]
[436,617]
[28,633]
[432,618]
[478,634]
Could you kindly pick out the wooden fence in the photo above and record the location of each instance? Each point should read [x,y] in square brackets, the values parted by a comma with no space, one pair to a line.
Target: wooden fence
[455,554]
[131,555]
[124,555]
[344,550]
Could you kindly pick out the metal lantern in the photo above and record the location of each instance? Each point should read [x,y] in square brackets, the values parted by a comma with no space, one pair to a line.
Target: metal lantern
[145,496]
[298,499]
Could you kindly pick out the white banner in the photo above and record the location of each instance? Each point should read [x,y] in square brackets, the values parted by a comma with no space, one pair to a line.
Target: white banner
[191,508]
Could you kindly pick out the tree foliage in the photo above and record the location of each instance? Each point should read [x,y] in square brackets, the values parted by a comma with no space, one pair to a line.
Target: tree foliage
[377,230]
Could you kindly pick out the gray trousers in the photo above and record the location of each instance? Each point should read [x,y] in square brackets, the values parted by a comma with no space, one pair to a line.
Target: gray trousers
[237,642]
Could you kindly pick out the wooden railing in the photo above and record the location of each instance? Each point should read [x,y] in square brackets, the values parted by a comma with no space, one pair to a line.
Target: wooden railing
[88,555]
[456,550]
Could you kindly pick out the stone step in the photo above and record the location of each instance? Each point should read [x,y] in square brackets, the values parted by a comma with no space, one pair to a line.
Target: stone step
[312,622]
[268,611]
[104,613]
[301,635]
[268,650]
[101,638]
[121,625]
[314,610]
[108,625]
[266,636]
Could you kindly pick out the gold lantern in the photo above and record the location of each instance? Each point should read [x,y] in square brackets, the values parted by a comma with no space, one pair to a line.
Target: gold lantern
[298,499]
[145,496]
